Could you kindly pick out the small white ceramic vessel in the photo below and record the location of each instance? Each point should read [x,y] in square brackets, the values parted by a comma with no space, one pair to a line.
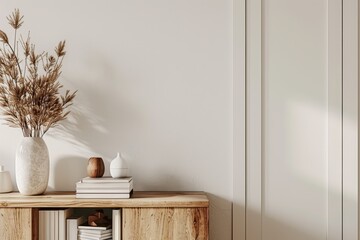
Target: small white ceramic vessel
[118,167]
[5,181]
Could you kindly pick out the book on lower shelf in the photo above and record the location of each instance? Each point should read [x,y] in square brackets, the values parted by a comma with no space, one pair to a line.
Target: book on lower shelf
[95,233]
[52,223]
[64,214]
[93,228]
[116,224]
[72,224]
[94,238]
[55,224]
[86,232]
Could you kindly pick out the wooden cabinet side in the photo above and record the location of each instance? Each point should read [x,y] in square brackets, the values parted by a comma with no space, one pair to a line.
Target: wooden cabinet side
[16,224]
[165,223]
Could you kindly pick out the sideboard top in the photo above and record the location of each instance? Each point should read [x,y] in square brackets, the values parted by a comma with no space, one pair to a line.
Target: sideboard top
[138,199]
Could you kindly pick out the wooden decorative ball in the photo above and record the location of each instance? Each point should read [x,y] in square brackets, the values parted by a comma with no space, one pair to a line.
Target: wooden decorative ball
[96,167]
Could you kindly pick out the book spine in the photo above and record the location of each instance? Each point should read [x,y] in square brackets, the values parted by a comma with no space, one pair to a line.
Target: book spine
[104,185]
[42,225]
[68,235]
[62,223]
[63,215]
[47,225]
[106,180]
[72,227]
[56,224]
[106,188]
[102,191]
[116,224]
[104,196]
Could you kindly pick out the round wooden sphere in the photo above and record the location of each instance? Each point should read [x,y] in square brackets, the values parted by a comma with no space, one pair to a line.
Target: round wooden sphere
[96,167]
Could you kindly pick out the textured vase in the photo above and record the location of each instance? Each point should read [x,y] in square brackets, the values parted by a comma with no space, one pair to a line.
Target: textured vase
[32,166]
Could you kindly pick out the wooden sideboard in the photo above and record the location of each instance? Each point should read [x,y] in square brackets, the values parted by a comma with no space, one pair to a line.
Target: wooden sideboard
[146,215]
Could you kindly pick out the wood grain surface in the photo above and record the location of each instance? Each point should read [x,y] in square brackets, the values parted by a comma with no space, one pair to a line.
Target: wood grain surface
[165,224]
[16,224]
[147,215]
[138,199]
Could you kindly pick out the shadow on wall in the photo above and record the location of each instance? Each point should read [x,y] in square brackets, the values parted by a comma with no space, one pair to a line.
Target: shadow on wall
[80,130]
[220,217]
[89,137]
[68,169]
[100,118]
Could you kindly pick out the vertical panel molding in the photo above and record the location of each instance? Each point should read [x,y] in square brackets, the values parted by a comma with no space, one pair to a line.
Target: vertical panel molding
[350,120]
[335,120]
[239,91]
[253,120]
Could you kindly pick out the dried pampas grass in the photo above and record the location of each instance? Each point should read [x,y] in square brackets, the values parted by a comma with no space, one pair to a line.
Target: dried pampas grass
[30,96]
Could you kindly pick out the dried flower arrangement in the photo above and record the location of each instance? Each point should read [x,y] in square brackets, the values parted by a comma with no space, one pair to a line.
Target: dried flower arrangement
[30,96]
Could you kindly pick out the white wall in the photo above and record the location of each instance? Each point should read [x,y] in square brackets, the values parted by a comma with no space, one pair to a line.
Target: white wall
[154,81]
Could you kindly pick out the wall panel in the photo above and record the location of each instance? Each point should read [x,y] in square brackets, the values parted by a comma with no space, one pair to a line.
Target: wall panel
[293,116]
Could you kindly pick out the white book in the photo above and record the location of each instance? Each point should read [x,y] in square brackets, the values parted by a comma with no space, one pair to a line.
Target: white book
[56,224]
[103,190]
[94,238]
[94,233]
[86,226]
[48,225]
[63,215]
[106,179]
[51,227]
[72,224]
[116,224]
[105,235]
[104,185]
[103,195]
[54,219]
[42,225]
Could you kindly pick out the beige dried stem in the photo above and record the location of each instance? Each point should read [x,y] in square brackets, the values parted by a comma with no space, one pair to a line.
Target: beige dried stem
[30,96]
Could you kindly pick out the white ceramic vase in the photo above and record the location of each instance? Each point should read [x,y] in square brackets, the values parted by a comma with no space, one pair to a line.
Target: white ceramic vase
[5,181]
[32,166]
[118,167]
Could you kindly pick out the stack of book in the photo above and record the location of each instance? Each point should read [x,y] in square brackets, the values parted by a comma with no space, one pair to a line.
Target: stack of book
[52,223]
[72,224]
[94,233]
[78,228]
[104,187]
